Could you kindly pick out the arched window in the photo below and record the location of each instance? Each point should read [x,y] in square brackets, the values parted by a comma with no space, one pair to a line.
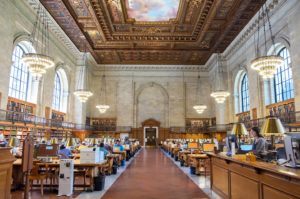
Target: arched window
[283,81]
[61,91]
[19,75]
[244,89]
[241,92]
[57,93]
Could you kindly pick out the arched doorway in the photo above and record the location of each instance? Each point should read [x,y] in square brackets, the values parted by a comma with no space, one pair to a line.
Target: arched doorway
[150,132]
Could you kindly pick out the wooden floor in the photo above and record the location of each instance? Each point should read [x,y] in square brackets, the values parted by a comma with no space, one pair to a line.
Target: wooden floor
[152,175]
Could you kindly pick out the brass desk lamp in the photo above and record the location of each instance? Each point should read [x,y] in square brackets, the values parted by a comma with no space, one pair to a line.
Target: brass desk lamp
[272,126]
[239,130]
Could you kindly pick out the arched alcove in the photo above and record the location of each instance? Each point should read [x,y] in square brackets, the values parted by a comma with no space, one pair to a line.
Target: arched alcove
[152,101]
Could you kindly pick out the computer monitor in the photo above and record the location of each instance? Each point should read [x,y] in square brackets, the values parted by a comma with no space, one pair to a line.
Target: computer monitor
[207,147]
[116,149]
[246,147]
[193,145]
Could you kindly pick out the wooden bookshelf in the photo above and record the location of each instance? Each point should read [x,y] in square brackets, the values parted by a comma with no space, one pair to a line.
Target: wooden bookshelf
[104,124]
[58,116]
[21,106]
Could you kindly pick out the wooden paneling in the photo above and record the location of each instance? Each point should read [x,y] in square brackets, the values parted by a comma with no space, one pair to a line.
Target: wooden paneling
[243,188]
[271,193]
[233,178]
[220,179]
[6,161]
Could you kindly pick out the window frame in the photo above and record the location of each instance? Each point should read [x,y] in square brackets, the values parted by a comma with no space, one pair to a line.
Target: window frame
[283,84]
[19,79]
[244,93]
[57,93]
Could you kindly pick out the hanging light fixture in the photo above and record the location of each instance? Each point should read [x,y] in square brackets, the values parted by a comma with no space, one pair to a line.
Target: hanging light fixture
[39,61]
[81,92]
[103,107]
[219,94]
[266,65]
[200,108]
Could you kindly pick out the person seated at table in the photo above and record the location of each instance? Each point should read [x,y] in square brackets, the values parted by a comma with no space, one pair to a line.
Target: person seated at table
[108,148]
[102,148]
[259,145]
[64,153]
[118,144]
[3,141]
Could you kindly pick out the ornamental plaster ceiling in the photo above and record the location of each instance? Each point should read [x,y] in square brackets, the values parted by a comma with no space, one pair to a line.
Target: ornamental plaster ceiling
[169,32]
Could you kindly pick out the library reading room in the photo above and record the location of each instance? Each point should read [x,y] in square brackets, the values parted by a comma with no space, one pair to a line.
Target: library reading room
[156,99]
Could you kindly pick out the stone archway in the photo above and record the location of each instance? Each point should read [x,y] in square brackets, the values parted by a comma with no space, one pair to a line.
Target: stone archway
[151,101]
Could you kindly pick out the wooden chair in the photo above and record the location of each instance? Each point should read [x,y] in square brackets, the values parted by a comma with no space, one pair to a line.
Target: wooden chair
[107,167]
[35,175]
[81,172]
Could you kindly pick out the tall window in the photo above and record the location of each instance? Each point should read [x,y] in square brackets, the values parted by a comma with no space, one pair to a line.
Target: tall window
[283,81]
[245,105]
[19,75]
[57,93]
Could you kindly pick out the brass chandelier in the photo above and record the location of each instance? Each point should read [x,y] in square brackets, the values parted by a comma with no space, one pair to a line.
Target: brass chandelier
[103,107]
[39,61]
[81,91]
[200,108]
[266,65]
[219,94]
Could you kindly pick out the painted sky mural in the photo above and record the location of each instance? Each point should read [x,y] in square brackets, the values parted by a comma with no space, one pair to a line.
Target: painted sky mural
[152,10]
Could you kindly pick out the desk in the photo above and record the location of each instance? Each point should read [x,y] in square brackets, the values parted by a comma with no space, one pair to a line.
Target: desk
[91,167]
[200,162]
[233,178]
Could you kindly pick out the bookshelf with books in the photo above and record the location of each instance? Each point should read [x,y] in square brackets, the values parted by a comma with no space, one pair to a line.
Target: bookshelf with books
[20,110]
[104,124]
[58,116]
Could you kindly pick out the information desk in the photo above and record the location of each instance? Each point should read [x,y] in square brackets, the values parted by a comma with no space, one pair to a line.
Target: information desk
[6,160]
[92,168]
[233,178]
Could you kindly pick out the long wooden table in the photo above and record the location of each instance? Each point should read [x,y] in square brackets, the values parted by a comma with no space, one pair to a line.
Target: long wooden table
[92,168]
[234,178]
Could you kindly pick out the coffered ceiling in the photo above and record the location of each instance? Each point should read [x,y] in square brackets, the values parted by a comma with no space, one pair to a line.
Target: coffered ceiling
[185,32]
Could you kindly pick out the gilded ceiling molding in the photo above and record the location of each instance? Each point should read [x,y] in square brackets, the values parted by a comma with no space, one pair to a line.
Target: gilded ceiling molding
[56,30]
[250,29]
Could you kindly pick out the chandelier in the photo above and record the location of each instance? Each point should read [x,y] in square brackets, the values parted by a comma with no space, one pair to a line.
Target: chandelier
[103,107]
[39,61]
[81,92]
[200,108]
[265,65]
[219,94]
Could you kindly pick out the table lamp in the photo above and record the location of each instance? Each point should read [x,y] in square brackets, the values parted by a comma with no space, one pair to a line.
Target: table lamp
[13,142]
[272,126]
[70,142]
[54,141]
[238,130]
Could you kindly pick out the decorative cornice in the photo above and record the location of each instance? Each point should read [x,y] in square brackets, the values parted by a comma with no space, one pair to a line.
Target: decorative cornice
[55,29]
[193,68]
[250,28]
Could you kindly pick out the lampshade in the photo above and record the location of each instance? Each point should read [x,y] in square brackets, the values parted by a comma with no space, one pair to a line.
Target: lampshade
[13,142]
[239,129]
[272,126]
[54,141]
[70,142]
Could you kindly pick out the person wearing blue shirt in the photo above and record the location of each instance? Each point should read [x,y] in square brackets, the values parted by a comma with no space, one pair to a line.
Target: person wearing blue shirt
[64,153]
[118,144]
[102,148]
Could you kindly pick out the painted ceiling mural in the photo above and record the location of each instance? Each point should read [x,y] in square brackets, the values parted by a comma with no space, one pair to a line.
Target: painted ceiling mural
[171,32]
[153,10]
